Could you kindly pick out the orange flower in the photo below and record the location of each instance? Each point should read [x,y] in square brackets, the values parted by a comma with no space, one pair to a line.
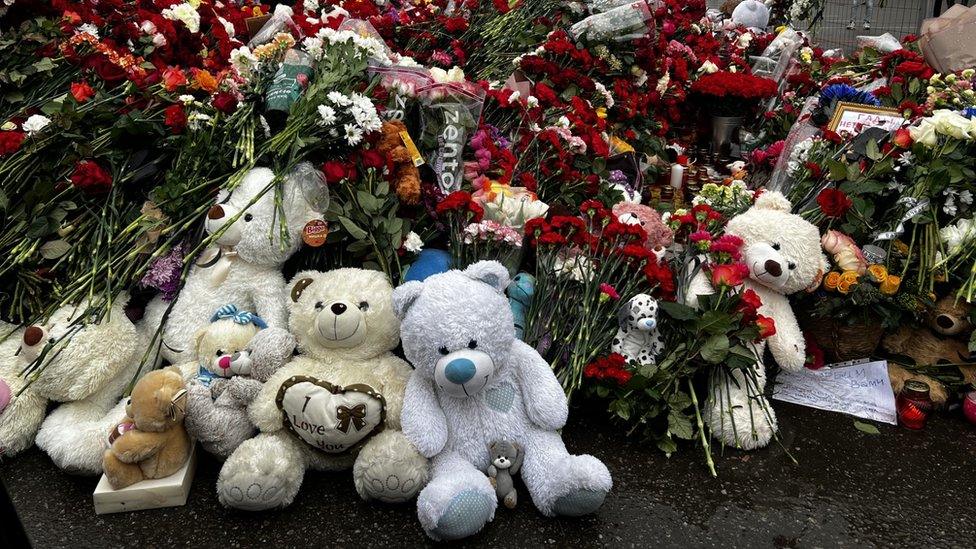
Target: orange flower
[173,78]
[878,273]
[205,81]
[832,280]
[891,284]
[847,280]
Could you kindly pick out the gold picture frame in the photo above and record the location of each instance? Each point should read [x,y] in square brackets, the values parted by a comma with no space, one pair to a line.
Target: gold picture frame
[855,117]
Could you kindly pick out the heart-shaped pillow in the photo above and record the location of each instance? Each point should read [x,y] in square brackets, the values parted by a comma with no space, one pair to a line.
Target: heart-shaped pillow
[329,417]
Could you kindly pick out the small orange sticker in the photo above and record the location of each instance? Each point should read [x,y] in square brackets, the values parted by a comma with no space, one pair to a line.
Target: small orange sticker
[315,233]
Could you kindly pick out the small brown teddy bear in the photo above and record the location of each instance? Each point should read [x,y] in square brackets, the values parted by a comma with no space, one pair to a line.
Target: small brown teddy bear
[937,345]
[405,175]
[153,442]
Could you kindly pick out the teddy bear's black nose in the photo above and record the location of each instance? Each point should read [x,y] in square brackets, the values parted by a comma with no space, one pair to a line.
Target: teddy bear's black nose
[338,308]
[216,212]
[773,268]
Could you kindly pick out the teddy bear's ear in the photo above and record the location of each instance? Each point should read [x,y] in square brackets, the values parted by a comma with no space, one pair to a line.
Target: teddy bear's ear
[491,273]
[299,286]
[404,296]
[772,200]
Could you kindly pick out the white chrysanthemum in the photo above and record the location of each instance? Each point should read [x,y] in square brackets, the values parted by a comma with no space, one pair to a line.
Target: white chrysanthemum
[35,123]
[228,27]
[186,99]
[88,28]
[354,135]
[184,13]
[328,115]
[196,120]
[310,5]
[958,235]
[313,47]
[413,243]
[364,113]
[338,98]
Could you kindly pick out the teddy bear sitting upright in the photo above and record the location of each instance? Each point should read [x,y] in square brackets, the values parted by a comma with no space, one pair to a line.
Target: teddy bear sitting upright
[151,441]
[475,383]
[783,253]
[230,375]
[244,266]
[336,405]
[87,368]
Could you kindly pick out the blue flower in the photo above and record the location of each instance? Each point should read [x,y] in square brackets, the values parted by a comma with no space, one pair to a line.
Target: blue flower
[844,92]
[970,112]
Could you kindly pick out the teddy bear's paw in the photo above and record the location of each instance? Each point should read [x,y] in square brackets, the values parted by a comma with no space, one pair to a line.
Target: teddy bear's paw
[465,516]
[746,426]
[257,495]
[579,502]
[389,469]
[260,475]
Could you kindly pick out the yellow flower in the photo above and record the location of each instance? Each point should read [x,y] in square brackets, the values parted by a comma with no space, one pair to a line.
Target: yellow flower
[844,286]
[205,81]
[832,280]
[878,273]
[601,112]
[850,277]
[891,284]
[901,247]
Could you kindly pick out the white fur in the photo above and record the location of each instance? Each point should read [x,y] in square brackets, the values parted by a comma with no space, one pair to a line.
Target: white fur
[638,339]
[521,402]
[267,471]
[736,412]
[254,280]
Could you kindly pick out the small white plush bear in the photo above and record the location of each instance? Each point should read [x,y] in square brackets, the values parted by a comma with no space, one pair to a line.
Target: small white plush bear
[752,14]
[335,406]
[476,383]
[230,376]
[637,338]
[783,253]
[87,368]
[244,268]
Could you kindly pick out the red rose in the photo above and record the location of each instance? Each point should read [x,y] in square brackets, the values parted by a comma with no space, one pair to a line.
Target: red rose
[335,171]
[832,136]
[81,91]
[105,68]
[175,118]
[749,303]
[766,325]
[373,158]
[173,78]
[90,178]
[834,203]
[902,138]
[225,102]
[729,275]
[10,142]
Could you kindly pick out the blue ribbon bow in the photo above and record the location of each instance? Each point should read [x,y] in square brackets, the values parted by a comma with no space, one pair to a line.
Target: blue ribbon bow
[239,317]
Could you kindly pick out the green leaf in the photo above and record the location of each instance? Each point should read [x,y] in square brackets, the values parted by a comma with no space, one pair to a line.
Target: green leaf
[714,322]
[838,170]
[871,149]
[678,311]
[54,249]
[866,428]
[354,230]
[715,349]
[680,425]
[668,446]
[44,65]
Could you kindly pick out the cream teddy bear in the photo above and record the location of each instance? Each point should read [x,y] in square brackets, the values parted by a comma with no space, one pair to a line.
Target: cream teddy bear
[335,406]
[783,253]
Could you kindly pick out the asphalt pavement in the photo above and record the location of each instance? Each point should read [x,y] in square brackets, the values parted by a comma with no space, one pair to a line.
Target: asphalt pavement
[850,489]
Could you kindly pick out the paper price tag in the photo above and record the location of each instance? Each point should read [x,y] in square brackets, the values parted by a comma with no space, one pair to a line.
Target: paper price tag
[418,159]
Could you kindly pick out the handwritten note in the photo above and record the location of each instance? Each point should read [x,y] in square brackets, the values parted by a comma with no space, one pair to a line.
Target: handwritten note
[861,390]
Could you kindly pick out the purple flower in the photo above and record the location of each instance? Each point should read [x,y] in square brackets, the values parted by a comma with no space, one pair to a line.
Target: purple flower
[164,273]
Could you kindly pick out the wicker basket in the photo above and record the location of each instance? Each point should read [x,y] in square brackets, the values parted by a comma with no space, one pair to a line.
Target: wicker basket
[842,341]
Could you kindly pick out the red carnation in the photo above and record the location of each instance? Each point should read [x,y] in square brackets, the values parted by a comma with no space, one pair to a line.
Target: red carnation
[335,171]
[10,142]
[105,68]
[749,303]
[834,203]
[766,325]
[175,118]
[173,78]
[729,275]
[81,91]
[225,102]
[90,178]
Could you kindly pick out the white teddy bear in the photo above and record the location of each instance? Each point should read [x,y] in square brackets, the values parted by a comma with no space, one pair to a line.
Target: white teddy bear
[475,383]
[336,405]
[245,266]
[783,253]
[88,371]
[637,338]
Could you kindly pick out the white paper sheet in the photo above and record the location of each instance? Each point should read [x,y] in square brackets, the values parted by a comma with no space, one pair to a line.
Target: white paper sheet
[861,390]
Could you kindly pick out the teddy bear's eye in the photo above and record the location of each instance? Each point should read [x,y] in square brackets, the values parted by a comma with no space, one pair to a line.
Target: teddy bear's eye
[442,350]
[791,265]
[363,306]
[248,217]
[776,246]
[219,352]
[472,344]
[319,306]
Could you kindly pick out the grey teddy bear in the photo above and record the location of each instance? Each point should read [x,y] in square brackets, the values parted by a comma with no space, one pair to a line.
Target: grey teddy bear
[506,460]
[217,411]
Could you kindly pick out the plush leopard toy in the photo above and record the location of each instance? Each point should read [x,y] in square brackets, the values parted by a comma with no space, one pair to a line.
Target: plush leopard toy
[637,338]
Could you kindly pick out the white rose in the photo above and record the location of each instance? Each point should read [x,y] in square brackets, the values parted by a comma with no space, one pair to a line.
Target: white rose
[35,123]
[744,39]
[924,133]
[952,124]
[708,67]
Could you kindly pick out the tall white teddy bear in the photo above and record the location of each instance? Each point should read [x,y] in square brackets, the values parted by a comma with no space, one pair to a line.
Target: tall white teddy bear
[244,268]
[88,372]
[475,384]
[336,406]
[783,253]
